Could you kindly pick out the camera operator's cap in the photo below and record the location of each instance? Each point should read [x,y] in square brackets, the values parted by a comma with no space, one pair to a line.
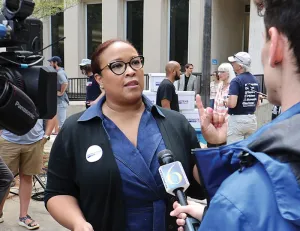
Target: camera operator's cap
[85,62]
[55,59]
[241,58]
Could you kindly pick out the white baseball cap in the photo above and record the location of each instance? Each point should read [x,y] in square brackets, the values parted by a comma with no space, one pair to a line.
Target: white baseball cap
[85,62]
[241,58]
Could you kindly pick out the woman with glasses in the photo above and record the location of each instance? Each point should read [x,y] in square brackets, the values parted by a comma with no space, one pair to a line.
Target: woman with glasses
[103,169]
[226,74]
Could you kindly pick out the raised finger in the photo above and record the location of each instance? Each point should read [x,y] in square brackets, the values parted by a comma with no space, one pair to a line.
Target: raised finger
[200,105]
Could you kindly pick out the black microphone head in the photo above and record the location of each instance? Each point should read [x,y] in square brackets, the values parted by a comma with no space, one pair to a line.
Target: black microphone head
[165,157]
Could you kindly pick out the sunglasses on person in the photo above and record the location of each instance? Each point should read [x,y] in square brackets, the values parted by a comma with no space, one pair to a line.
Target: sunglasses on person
[119,67]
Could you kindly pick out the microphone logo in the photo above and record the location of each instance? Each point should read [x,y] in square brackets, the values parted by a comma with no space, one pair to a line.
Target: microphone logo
[173,177]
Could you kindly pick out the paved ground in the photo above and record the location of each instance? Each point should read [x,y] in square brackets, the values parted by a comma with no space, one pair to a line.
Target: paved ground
[36,210]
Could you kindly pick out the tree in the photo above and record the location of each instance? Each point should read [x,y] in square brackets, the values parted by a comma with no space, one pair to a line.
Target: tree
[45,8]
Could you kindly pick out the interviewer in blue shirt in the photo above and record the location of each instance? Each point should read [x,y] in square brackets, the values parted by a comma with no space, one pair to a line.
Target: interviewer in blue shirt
[253,184]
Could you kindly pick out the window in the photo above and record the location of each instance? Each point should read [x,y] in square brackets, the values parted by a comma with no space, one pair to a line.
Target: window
[135,21]
[179,31]
[94,27]
[57,32]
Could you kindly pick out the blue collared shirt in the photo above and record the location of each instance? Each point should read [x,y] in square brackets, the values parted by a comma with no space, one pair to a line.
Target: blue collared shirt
[33,136]
[142,186]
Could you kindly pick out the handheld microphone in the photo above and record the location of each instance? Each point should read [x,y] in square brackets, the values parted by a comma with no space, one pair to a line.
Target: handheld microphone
[175,182]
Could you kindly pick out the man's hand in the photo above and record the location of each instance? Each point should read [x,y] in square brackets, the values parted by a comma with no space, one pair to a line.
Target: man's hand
[193,209]
[83,227]
[59,93]
[213,125]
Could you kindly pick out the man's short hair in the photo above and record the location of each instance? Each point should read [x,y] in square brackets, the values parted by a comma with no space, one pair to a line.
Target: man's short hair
[188,65]
[284,15]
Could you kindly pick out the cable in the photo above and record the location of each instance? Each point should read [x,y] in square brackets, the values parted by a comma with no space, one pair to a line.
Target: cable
[63,38]
[22,65]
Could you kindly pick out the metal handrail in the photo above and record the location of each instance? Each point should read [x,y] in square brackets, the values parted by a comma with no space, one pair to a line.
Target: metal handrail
[77,86]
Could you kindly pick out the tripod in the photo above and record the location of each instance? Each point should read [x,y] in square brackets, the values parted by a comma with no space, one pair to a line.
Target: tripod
[41,179]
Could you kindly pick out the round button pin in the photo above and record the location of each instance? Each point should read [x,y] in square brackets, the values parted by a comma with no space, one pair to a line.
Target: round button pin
[94,153]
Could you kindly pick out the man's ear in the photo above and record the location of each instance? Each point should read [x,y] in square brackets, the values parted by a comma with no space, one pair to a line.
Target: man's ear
[276,47]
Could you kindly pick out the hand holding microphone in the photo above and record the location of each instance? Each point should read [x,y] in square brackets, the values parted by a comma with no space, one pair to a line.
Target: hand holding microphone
[193,209]
[176,182]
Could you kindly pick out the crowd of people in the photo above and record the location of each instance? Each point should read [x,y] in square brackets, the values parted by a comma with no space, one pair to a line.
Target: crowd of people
[234,94]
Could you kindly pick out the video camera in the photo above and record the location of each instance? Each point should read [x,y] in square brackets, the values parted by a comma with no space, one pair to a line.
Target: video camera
[27,91]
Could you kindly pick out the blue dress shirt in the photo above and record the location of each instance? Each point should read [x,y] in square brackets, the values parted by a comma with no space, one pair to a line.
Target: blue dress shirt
[142,186]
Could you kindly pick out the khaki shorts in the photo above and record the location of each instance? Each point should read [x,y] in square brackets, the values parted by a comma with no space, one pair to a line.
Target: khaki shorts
[240,127]
[25,158]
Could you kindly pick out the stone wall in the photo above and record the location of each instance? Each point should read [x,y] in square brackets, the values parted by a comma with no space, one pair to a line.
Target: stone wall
[264,113]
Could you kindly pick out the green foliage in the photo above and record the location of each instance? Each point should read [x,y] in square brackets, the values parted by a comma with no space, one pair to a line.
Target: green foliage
[45,8]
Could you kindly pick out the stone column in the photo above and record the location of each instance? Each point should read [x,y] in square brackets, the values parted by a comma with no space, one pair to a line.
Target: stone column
[46,39]
[112,19]
[196,34]
[155,35]
[74,31]
[256,40]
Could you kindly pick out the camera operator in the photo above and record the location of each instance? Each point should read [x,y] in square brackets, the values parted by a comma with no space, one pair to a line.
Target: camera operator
[264,195]
[23,155]
[93,89]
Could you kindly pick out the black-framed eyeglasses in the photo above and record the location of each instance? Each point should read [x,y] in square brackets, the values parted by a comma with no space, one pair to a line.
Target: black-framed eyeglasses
[119,67]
